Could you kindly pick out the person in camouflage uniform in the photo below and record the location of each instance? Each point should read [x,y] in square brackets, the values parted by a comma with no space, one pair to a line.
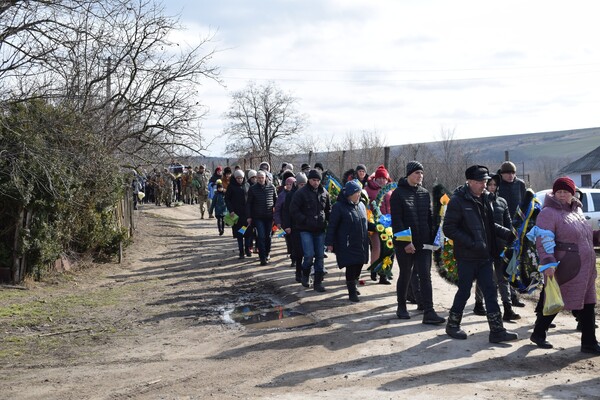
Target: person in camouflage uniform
[166,187]
[200,182]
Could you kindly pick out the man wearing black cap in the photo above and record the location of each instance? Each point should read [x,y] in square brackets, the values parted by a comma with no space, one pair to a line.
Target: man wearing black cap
[410,206]
[310,208]
[469,223]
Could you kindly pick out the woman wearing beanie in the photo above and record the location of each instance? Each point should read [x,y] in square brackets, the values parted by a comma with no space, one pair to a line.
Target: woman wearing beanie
[347,235]
[375,182]
[287,224]
[573,249]
[361,174]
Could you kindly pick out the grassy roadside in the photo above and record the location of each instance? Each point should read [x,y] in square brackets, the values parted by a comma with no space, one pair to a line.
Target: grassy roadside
[62,319]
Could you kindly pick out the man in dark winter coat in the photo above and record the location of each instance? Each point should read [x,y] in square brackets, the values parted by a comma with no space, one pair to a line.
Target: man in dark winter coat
[410,206]
[259,212]
[469,223]
[310,209]
[511,188]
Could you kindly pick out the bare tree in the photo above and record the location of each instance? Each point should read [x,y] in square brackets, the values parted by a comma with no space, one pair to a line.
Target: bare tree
[453,159]
[263,121]
[113,62]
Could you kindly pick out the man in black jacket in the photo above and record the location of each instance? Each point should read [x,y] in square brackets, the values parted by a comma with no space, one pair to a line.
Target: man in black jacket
[259,212]
[410,206]
[310,208]
[469,223]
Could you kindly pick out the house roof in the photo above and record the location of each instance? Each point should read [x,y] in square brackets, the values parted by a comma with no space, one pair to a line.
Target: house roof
[589,162]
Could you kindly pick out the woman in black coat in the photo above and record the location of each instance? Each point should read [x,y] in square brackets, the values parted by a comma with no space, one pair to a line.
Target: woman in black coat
[347,235]
[235,199]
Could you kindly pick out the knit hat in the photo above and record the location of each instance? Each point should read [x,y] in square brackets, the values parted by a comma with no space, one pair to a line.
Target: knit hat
[508,166]
[238,173]
[314,174]
[413,166]
[286,174]
[319,166]
[289,166]
[227,170]
[251,173]
[290,180]
[305,167]
[351,187]
[360,167]
[477,173]
[301,178]
[381,172]
[564,183]
[219,168]
[264,166]
[495,178]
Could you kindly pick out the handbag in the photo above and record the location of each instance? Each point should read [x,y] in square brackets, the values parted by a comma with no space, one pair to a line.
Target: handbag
[553,302]
[570,263]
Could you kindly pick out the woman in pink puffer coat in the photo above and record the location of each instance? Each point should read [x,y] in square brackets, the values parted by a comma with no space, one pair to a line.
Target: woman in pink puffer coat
[562,216]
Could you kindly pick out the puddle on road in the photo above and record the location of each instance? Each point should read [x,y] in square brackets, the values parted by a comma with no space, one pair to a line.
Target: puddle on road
[267,316]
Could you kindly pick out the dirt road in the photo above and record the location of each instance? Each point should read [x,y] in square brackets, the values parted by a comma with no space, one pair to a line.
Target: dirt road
[154,328]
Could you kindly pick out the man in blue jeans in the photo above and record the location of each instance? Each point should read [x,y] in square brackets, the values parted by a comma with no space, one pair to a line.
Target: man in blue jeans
[259,209]
[310,210]
[469,222]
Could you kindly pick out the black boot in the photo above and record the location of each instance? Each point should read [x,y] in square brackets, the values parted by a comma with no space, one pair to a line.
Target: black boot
[497,332]
[509,314]
[318,284]
[241,256]
[542,322]
[383,280]
[430,317]
[305,276]
[515,300]
[373,275]
[587,318]
[453,326]
[298,273]
[401,311]
[352,295]
[479,308]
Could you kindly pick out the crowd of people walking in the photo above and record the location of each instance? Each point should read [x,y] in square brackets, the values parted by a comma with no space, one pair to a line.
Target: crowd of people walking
[480,221]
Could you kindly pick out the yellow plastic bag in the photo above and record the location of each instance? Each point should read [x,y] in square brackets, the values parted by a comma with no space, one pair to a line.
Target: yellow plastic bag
[553,302]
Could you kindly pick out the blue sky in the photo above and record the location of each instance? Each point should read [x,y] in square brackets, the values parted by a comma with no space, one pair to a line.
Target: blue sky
[406,69]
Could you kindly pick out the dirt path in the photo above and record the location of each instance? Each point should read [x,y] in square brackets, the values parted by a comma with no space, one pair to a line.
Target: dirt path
[153,328]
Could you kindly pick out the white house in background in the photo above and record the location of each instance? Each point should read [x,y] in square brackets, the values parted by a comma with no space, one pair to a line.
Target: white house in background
[586,170]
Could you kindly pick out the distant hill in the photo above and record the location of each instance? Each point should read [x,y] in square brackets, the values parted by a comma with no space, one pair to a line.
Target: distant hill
[570,144]
[566,145]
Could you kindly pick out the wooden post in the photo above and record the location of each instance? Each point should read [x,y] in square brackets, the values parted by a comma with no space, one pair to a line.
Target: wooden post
[310,156]
[386,157]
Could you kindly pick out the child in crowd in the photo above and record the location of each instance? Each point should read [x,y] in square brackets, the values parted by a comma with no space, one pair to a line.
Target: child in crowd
[218,207]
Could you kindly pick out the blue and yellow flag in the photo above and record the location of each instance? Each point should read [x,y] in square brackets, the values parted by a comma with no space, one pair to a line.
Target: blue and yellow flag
[332,185]
[404,236]
[242,230]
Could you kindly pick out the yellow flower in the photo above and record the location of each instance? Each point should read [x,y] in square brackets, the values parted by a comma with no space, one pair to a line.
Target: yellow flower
[384,237]
[390,244]
[380,228]
[387,261]
[389,230]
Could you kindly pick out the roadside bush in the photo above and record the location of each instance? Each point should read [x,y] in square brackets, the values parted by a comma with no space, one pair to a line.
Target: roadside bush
[55,173]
